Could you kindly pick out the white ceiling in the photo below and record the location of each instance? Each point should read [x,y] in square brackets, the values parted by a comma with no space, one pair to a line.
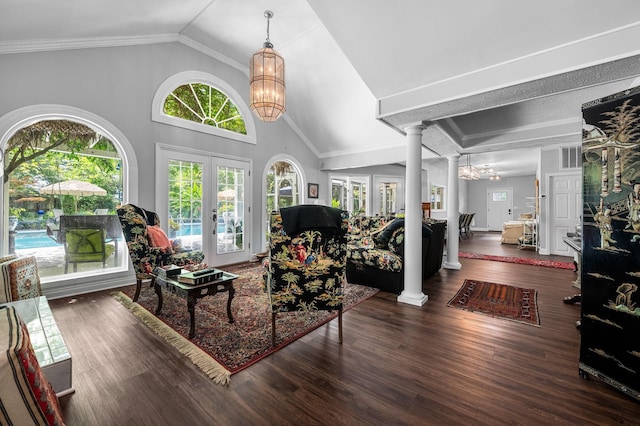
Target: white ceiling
[497,78]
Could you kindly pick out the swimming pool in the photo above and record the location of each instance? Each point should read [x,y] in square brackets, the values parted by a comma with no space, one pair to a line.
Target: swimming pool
[40,239]
[34,239]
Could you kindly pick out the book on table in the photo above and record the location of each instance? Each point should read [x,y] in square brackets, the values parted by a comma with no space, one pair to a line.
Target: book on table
[167,271]
[200,277]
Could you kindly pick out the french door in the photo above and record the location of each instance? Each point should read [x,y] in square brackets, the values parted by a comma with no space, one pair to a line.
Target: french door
[201,202]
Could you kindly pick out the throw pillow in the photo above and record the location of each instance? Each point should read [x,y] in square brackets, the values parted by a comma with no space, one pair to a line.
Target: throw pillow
[26,394]
[382,239]
[19,280]
[158,238]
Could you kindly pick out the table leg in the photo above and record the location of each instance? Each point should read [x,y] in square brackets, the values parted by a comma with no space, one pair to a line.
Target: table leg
[191,307]
[158,289]
[232,292]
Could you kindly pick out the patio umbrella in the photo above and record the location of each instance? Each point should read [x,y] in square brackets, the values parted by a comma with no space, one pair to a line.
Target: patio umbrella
[72,187]
[76,188]
[227,194]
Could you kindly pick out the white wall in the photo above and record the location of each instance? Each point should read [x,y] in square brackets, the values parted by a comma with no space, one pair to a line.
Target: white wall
[118,84]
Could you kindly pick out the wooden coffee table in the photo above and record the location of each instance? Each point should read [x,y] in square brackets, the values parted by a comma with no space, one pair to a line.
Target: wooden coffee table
[195,292]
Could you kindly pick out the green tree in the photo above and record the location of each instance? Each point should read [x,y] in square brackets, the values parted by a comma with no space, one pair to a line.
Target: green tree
[206,105]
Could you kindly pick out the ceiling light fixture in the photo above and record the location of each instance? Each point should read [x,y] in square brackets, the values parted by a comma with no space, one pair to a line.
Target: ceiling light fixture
[495,177]
[468,172]
[486,170]
[267,96]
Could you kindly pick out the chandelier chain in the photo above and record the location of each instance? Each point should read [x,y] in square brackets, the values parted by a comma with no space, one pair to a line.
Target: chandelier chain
[268,14]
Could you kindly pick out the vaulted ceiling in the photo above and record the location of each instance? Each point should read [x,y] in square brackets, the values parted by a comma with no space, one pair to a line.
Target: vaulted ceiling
[497,78]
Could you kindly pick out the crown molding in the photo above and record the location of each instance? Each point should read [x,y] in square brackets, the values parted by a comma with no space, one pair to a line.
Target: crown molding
[29,46]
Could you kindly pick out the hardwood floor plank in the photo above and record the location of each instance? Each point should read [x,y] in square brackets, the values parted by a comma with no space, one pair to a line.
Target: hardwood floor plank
[399,364]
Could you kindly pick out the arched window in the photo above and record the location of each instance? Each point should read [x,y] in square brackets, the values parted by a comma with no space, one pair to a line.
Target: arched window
[204,103]
[283,186]
[104,157]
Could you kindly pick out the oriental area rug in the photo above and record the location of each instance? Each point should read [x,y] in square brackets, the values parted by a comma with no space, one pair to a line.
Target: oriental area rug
[219,348]
[498,300]
[520,260]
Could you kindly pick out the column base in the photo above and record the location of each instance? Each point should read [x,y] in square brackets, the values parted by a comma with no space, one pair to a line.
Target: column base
[413,299]
[452,265]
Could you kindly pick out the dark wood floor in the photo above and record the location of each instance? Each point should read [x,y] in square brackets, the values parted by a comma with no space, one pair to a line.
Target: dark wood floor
[399,364]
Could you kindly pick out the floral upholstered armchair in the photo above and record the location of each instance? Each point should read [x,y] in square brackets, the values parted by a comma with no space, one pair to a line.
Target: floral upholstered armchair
[307,261]
[148,245]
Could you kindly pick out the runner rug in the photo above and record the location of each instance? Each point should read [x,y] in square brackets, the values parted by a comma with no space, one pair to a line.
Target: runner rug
[498,300]
[221,349]
[521,260]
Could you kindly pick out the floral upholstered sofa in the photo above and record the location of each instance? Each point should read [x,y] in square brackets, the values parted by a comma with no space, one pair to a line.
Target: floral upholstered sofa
[375,251]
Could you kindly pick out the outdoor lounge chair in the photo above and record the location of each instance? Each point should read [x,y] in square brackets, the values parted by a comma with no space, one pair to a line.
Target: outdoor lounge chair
[84,243]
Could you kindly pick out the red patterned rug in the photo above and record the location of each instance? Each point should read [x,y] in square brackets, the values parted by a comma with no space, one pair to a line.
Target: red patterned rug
[219,348]
[498,300]
[521,260]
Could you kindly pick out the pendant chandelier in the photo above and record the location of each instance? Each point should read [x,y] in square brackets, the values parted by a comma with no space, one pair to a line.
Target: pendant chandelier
[468,172]
[267,97]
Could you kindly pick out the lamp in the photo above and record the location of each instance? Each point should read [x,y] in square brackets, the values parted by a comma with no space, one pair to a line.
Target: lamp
[468,172]
[267,96]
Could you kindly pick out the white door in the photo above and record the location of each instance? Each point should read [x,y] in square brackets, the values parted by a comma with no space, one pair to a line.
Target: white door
[565,193]
[499,207]
[201,202]
[387,195]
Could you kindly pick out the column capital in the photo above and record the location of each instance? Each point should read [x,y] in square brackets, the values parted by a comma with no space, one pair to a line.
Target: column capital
[415,129]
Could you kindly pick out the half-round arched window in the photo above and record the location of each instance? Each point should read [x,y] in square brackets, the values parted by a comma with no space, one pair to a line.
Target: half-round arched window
[204,103]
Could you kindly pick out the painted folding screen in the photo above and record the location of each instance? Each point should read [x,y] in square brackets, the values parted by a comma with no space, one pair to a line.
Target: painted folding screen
[610,347]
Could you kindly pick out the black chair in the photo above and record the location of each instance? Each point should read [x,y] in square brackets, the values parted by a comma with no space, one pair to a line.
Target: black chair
[464,223]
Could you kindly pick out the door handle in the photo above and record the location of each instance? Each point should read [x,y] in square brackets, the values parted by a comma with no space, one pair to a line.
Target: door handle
[509,212]
[214,218]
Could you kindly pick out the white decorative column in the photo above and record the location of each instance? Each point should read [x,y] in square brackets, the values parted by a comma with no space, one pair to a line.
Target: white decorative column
[453,228]
[412,293]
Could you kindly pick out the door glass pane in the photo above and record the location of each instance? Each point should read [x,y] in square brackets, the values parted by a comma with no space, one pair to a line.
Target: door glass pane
[499,196]
[185,203]
[387,198]
[230,207]
[339,193]
[358,197]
